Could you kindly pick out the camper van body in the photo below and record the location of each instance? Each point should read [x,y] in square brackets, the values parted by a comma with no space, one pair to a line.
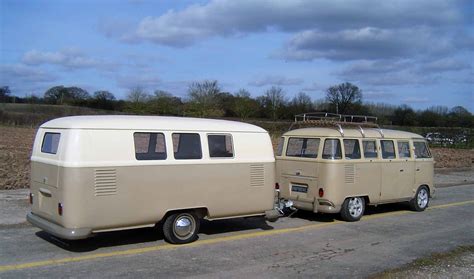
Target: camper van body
[333,170]
[92,174]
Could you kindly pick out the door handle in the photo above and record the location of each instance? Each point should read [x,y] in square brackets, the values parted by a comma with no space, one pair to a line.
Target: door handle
[45,192]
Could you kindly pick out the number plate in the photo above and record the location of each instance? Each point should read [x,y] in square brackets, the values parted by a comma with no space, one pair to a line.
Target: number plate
[299,188]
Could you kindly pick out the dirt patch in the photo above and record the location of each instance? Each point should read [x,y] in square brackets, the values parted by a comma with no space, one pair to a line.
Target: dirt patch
[453,158]
[15,153]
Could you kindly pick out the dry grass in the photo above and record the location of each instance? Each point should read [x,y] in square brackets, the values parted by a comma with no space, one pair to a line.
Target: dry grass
[16,144]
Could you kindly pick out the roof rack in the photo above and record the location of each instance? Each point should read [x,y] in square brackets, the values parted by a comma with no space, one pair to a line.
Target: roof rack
[337,121]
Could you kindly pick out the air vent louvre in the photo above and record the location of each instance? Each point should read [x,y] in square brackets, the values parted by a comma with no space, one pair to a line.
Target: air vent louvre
[257,175]
[105,182]
[349,170]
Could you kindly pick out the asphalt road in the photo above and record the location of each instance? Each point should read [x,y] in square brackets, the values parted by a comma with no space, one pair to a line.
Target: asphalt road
[304,245]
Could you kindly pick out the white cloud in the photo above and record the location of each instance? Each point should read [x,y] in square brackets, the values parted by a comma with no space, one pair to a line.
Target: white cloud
[68,58]
[275,80]
[22,73]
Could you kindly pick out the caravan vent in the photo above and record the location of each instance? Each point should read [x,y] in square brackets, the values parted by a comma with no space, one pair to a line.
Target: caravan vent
[349,170]
[105,182]
[257,175]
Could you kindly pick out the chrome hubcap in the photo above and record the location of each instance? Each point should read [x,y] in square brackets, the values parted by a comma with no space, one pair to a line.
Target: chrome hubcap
[422,198]
[355,207]
[184,226]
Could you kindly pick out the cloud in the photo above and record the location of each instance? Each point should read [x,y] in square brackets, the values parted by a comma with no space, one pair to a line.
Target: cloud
[68,58]
[229,18]
[275,80]
[315,87]
[445,65]
[21,73]
[149,82]
[419,100]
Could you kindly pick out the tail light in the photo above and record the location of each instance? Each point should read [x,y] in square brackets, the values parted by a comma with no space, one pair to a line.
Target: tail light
[60,209]
[321,192]
[31,198]
[277,186]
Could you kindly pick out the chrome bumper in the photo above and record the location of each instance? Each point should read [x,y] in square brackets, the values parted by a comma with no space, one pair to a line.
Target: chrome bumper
[56,230]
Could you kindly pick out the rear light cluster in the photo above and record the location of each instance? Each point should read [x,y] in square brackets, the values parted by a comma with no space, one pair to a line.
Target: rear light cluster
[321,192]
[277,186]
[60,209]
[31,198]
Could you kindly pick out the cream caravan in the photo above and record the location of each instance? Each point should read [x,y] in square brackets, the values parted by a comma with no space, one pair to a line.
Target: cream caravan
[92,174]
[336,169]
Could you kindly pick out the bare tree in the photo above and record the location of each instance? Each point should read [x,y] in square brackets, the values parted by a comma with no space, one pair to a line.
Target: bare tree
[301,103]
[343,96]
[137,95]
[203,99]
[244,105]
[275,100]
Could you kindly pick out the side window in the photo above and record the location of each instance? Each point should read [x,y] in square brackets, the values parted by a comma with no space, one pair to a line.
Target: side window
[388,149]
[149,146]
[50,143]
[332,149]
[370,148]
[220,146]
[403,149]
[421,150]
[186,146]
[351,149]
[303,147]
[279,151]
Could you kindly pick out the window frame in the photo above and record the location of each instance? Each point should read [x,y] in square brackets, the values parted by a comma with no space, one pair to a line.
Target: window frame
[305,139]
[360,149]
[340,149]
[382,149]
[43,141]
[209,149]
[409,149]
[279,150]
[427,148]
[152,159]
[377,153]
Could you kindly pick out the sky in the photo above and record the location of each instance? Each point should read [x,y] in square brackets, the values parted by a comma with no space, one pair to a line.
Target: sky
[419,53]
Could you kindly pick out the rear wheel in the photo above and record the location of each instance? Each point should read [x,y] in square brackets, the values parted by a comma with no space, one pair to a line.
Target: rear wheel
[181,227]
[421,200]
[353,209]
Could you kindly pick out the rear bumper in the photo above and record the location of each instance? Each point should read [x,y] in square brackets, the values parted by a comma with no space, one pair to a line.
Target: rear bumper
[56,230]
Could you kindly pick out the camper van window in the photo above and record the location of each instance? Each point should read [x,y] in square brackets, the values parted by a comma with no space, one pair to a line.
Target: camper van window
[332,149]
[220,146]
[403,149]
[279,151]
[187,146]
[370,148]
[149,146]
[50,143]
[302,147]
[351,149]
[421,150]
[388,149]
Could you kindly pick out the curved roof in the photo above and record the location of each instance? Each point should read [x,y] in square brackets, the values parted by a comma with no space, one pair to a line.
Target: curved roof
[164,123]
[351,132]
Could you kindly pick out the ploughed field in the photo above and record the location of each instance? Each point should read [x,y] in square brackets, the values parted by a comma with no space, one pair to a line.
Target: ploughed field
[16,144]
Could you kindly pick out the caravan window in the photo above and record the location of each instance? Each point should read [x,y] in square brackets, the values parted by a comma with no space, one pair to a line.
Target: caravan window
[388,149]
[404,149]
[149,146]
[421,150]
[50,143]
[332,149]
[187,146]
[220,146]
[279,151]
[370,148]
[351,149]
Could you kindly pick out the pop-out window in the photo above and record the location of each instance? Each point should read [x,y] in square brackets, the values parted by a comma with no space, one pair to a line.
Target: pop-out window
[187,146]
[370,148]
[351,149]
[149,146]
[302,147]
[388,149]
[332,149]
[220,146]
[50,143]
[421,150]
[279,151]
[403,149]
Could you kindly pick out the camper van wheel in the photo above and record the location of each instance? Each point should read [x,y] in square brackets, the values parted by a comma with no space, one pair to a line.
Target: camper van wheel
[353,209]
[181,227]
[421,199]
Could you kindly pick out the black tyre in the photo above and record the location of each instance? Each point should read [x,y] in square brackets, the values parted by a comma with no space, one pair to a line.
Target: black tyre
[181,227]
[421,200]
[352,209]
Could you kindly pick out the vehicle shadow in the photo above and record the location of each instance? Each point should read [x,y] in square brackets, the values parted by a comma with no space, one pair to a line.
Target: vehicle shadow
[147,235]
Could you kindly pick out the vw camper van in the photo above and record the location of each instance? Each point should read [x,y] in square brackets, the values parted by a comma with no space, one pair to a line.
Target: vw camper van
[92,174]
[339,165]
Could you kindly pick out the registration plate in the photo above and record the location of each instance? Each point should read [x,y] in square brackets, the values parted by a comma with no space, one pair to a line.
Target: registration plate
[299,188]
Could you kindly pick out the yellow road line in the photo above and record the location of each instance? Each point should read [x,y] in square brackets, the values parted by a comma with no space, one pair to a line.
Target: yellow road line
[166,246]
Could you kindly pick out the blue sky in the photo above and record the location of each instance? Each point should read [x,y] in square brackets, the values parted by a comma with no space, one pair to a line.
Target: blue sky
[414,52]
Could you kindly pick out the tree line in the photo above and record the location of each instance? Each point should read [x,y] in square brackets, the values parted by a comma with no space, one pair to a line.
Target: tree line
[207,99]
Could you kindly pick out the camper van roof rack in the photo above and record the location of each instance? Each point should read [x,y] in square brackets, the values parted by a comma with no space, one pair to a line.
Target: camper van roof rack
[333,120]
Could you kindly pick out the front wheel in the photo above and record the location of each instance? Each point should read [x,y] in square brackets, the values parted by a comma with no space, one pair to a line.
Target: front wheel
[181,227]
[352,209]
[421,200]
